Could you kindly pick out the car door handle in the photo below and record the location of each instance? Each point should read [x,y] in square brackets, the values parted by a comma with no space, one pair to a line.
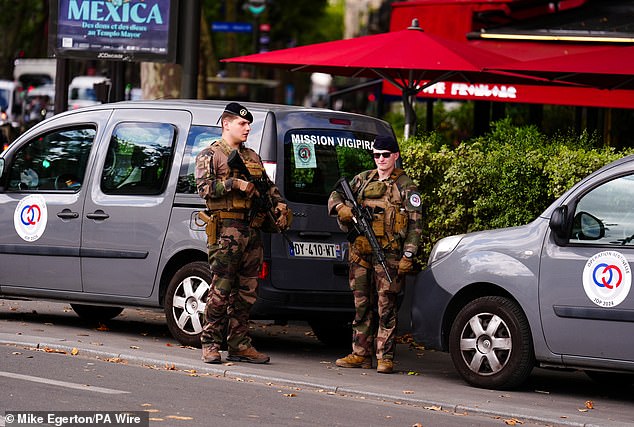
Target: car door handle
[67,214]
[98,214]
[319,235]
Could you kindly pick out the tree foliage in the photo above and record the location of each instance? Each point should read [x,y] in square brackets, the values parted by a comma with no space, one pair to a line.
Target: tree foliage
[505,178]
[24,32]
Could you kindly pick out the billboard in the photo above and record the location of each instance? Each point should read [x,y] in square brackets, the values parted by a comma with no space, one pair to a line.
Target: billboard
[119,30]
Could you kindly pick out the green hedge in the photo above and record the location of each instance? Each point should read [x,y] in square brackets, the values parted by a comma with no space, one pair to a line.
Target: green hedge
[504,178]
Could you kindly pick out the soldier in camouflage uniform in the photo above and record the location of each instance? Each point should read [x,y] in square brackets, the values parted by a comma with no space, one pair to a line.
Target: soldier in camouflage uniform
[235,247]
[397,223]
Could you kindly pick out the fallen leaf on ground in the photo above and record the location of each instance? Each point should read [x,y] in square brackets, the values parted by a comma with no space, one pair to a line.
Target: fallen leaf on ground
[53,350]
[102,327]
[74,351]
[434,408]
[289,395]
[408,392]
[589,404]
[169,367]
[512,422]
[179,417]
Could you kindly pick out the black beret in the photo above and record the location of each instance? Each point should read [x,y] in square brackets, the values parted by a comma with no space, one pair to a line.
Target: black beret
[385,142]
[239,110]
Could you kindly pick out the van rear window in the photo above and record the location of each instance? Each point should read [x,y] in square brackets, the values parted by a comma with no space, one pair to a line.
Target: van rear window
[315,159]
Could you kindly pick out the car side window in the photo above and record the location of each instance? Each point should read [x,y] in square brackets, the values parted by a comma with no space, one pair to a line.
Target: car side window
[55,161]
[605,215]
[138,158]
[199,137]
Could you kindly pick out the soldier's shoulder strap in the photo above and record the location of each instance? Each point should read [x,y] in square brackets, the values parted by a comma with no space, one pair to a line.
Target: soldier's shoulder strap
[365,178]
[221,145]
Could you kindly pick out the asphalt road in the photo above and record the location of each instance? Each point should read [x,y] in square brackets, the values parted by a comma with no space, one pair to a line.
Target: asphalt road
[299,362]
[176,397]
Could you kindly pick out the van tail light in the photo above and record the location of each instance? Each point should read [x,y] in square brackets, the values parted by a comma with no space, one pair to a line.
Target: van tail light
[270,168]
[345,122]
[264,271]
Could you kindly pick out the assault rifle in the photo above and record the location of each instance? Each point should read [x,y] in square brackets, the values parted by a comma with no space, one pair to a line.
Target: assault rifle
[362,225]
[261,202]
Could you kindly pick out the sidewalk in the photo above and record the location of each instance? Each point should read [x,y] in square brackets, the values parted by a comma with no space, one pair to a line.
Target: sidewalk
[298,360]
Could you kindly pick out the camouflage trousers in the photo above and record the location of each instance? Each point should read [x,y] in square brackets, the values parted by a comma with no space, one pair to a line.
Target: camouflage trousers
[235,262]
[376,309]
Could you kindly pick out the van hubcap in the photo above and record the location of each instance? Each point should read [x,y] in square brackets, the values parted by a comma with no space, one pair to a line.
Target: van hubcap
[188,306]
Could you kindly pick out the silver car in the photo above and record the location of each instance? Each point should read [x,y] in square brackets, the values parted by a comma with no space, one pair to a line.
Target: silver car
[553,293]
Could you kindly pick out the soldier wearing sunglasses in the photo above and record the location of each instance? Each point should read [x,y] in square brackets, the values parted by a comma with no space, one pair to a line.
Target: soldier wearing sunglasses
[395,203]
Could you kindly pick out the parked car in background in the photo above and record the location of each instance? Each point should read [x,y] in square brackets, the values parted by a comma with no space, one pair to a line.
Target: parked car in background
[98,208]
[553,293]
[39,104]
[82,93]
[9,101]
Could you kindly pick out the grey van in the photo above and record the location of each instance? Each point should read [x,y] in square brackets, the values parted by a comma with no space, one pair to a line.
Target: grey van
[554,293]
[98,208]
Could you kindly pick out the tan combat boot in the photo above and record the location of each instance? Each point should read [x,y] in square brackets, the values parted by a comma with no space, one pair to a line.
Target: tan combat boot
[354,361]
[385,366]
[250,355]
[211,355]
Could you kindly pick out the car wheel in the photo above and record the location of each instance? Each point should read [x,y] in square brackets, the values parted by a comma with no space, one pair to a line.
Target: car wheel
[332,332]
[490,343]
[96,313]
[185,302]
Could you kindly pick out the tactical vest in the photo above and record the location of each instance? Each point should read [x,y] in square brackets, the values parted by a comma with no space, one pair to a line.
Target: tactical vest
[383,199]
[234,200]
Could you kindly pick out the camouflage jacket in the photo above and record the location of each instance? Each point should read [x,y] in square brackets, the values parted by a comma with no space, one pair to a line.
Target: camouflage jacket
[213,175]
[408,200]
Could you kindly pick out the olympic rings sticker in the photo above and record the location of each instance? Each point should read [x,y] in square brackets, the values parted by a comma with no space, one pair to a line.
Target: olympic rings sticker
[30,218]
[607,278]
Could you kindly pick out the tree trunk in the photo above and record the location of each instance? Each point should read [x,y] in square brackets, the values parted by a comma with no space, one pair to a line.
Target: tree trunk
[160,81]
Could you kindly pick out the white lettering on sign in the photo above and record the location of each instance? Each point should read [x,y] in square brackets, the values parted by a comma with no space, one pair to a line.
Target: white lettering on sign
[111,12]
[331,141]
[484,90]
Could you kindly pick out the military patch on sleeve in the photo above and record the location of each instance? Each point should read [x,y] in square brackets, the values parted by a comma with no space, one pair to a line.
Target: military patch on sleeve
[414,200]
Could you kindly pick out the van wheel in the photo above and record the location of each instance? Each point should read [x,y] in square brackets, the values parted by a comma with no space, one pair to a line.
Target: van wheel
[96,313]
[185,302]
[332,332]
[490,343]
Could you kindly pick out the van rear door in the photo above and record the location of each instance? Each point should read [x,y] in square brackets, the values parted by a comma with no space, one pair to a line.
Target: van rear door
[314,160]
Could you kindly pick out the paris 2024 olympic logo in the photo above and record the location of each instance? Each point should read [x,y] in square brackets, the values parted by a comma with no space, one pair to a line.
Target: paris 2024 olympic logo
[30,217]
[607,278]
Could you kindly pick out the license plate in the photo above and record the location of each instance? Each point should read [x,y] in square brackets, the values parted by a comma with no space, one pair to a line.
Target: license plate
[316,250]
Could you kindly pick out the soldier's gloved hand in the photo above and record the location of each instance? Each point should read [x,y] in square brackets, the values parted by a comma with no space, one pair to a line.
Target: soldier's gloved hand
[281,216]
[405,266]
[245,186]
[344,212]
